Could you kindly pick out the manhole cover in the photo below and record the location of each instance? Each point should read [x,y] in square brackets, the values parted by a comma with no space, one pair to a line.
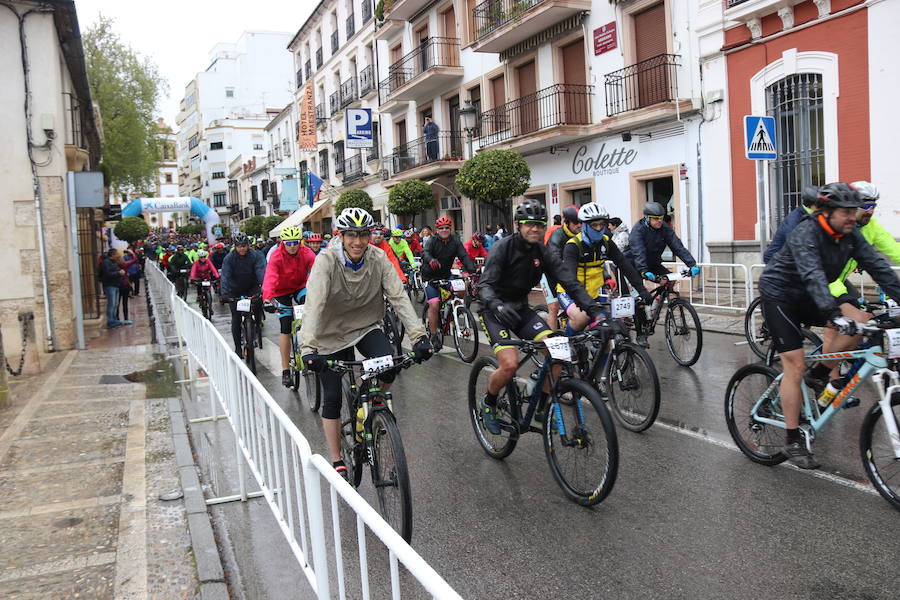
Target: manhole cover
[112,379]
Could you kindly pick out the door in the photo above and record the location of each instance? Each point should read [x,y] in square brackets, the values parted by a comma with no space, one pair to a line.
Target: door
[401,155]
[449,45]
[529,117]
[574,93]
[426,58]
[499,121]
[455,134]
[652,77]
[396,73]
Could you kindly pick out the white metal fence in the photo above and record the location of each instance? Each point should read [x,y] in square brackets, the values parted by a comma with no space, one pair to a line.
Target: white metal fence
[280,460]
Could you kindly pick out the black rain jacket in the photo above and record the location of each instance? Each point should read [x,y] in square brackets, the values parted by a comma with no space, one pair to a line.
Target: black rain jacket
[444,252]
[646,245]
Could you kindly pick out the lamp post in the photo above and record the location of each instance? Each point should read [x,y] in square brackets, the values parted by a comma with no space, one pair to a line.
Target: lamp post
[468,115]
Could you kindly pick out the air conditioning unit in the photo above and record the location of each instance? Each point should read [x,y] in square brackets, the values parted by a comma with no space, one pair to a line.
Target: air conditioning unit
[450,203]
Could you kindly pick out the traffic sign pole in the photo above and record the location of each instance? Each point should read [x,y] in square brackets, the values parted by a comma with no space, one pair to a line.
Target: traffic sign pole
[760,146]
[761,202]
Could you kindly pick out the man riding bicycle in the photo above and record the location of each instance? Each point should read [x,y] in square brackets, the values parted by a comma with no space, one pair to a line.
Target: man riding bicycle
[285,284]
[345,309]
[646,243]
[475,246]
[794,289]
[437,259]
[203,270]
[243,271]
[314,243]
[401,249]
[514,265]
[570,227]
[179,262]
[377,240]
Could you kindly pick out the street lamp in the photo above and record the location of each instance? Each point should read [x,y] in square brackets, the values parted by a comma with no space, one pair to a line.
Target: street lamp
[468,115]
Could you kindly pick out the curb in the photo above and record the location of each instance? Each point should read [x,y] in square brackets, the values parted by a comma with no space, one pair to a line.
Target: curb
[210,573]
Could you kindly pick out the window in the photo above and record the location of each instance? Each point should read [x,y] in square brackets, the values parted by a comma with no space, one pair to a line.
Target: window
[194,141]
[168,178]
[215,145]
[323,164]
[257,146]
[218,175]
[220,199]
[229,92]
[796,102]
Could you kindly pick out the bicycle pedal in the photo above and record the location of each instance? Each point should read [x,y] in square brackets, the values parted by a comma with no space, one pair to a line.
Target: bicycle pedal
[851,402]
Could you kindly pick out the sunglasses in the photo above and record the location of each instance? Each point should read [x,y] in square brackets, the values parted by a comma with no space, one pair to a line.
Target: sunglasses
[534,223]
[292,243]
[868,206]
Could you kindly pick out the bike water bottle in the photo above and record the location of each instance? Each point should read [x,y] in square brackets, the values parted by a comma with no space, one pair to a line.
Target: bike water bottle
[831,390]
[360,417]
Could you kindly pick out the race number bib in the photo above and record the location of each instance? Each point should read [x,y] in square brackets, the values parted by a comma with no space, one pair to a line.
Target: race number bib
[378,363]
[457,285]
[298,312]
[455,272]
[892,341]
[243,305]
[205,283]
[893,308]
[675,276]
[622,307]
[559,348]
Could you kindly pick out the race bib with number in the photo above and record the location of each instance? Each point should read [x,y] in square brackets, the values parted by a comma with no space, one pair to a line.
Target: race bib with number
[455,272]
[298,312]
[622,307]
[892,341]
[205,283]
[243,305]
[675,276]
[457,285]
[378,363]
[558,348]
[893,308]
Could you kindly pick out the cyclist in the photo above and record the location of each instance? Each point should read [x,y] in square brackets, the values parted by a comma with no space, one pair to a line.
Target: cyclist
[284,283]
[243,271]
[437,259]
[808,200]
[203,270]
[475,246]
[178,262]
[412,238]
[570,227]
[513,266]
[218,255]
[377,239]
[649,237]
[191,252]
[345,308]
[585,255]
[326,240]
[794,289]
[314,243]
[401,247]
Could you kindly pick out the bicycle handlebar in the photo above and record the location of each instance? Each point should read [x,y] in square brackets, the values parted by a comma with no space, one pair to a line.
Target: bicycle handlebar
[400,361]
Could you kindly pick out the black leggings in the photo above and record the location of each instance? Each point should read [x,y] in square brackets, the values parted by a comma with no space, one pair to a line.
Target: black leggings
[374,343]
[124,291]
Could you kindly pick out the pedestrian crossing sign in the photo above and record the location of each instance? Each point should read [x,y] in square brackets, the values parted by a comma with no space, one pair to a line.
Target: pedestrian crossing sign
[759,138]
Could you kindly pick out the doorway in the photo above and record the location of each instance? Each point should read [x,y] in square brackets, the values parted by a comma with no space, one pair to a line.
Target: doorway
[529,111]
[574,80]
[657,185]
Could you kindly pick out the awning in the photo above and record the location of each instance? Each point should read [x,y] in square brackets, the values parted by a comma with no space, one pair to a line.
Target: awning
[299,216]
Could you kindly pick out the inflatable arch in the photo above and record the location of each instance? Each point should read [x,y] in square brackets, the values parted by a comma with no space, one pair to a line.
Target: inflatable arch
[190,204]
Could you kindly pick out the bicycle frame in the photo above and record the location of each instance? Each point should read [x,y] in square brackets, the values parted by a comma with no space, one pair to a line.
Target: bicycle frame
[537,402]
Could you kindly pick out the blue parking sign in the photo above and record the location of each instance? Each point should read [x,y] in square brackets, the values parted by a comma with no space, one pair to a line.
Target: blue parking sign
[759,138]
[359,127]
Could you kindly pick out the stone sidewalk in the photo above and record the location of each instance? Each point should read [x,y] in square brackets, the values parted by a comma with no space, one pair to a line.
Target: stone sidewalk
[85,454]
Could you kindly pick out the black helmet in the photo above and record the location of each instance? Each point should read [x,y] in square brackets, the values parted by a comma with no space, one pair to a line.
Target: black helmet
[654,209]
[809,196]
[839,195]
[240,239]
[570,214]
[531,210]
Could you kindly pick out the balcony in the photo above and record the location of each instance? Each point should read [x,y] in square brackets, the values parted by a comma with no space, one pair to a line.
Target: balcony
[642,84]
[501,24]
[234,209]
[353,169]
[373,153]
[433,66]
[549,116]
[424,158]
[338,164]
[320,115]
[299,78]
[348,92]
[389,28]
[307,68]
[366,11]
[319,58]
[401,9]
[733,3]
[366,81]
[351,25]
[335,42]
[334,103]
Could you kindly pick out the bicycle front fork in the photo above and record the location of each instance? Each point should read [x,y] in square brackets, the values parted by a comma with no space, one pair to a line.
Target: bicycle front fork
[886,393]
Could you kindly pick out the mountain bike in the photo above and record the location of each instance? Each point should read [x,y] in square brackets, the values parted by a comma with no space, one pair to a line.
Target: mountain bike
[454,318]
[181,283]
[370,436]
[579,436]
[250,309]
[414,284]
[204,298]
[312,388]
[684,336]
[620,368]
[756,422]
[393,327]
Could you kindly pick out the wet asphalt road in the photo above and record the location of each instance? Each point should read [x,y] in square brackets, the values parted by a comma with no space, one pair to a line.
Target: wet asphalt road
[689,517]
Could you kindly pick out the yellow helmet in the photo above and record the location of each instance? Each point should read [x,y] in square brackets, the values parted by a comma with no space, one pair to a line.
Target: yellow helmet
[291,233]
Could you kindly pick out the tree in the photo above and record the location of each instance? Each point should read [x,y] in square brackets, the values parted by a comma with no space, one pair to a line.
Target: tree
[131,229]
[357,198]
[409,198]
[494,177]
[127,88]
[254,226]
[271,223]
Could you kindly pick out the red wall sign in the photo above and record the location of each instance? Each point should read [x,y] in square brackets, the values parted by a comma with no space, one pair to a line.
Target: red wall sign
[605,38]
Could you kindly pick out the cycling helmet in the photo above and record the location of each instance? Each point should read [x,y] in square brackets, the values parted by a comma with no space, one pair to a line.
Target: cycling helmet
[570,214]
[220,245]
[867,192]
[202,254]
[839,195]
[396,232]
[327,236]
[531,210]
[291,233]
[478,237]
[172,248]
[443,222]
[809,196]
[315,237]
[240,239]
[654,209]
[592,211]
[354,219]
[379,228]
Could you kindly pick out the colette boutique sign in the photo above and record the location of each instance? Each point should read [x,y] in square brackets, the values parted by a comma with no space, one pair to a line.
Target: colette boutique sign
[604,162]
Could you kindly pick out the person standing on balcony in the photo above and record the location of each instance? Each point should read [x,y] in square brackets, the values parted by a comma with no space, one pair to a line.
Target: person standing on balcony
[431,139]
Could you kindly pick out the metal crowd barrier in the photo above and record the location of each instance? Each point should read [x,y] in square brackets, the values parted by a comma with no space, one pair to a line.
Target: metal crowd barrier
[281,461]
[720,286]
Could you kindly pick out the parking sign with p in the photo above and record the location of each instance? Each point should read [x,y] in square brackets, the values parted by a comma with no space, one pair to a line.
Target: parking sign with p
[359,127]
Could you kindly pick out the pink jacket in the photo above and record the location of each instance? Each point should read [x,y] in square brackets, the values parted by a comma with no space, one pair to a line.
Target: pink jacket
[203,270]
[286,274]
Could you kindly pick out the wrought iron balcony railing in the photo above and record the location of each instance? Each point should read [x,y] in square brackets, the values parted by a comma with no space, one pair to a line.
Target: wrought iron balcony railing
[348,91]
[732,3]
[642,84]
[560,104]
[444,146]
[353,168]
[432,52]
[366,11]
[338,163]
[335,42]
[351,25]
[334,103]
[319,58]
[494,14]
[307,68]
[373,153]
[320,111]
[366,80]
[299,78]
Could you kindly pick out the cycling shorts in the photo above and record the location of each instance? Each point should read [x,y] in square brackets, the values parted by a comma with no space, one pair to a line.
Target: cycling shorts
[531,327]
[375,343]
[285,310]
[784,321]
[433,293]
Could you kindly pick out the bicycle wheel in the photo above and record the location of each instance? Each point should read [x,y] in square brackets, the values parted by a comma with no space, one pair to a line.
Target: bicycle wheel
[877,452]
[580,443]
[392,332]
[389,473]
[204,305]
[632,386]
[761,442]
[755,329]
[465,334]
[684,336]
[351,449]
[248,337]
[496,446]
[312,389]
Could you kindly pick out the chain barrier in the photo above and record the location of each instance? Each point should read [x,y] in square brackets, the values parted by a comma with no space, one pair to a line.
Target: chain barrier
[25,320]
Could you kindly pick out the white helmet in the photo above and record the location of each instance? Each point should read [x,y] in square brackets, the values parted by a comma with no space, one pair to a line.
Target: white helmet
[592,211]
[867,192]
[354,219]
